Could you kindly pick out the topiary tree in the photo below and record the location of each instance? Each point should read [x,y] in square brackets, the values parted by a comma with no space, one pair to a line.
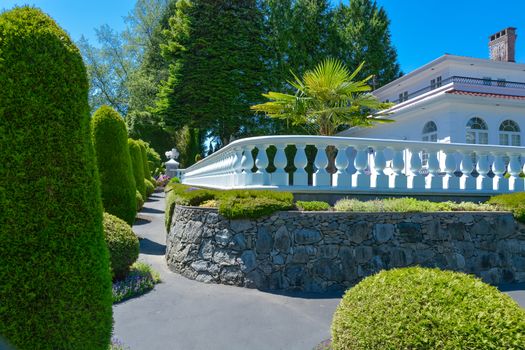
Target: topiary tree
[114,164]
[55,289]
[417,308]
[138,166]
[123,245]
[145,163]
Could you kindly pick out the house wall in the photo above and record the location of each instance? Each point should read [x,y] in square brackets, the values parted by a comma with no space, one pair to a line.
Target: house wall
[318,251]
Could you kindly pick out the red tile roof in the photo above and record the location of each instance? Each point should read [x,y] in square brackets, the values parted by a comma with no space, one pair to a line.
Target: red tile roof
[485,94]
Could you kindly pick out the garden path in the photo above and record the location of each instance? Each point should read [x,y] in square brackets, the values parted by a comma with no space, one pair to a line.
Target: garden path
[184,314]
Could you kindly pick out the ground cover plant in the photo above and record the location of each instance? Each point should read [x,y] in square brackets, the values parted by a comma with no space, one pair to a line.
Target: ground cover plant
[110,140]
[417,308]
[122,243]
[55,289]
[141,279]
[514,202]
[312,206]
[407,205]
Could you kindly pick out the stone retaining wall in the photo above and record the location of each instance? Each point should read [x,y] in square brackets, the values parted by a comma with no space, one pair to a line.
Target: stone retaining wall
[318,251]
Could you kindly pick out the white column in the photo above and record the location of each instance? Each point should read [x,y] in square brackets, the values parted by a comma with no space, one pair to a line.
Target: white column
[261,176]
[398,180]
[433,180]
[237,167]
[341,177]
[415,180]
[360,180]
[300,177]
[516,183]
[279,177]
[450,180]
[379,179]
[247,165]
[321,176]
[500,183]
[467,182]
[483,182]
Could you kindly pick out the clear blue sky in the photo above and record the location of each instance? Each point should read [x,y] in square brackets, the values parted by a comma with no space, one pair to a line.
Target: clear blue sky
[422,30]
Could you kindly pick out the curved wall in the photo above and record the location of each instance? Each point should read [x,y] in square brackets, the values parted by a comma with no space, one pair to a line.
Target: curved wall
[319,251]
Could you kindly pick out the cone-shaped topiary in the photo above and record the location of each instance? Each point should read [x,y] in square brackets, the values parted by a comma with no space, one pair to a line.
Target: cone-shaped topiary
[145,163]
[418,308]
[55,282]
[123,245]
[138,166]
[110,139]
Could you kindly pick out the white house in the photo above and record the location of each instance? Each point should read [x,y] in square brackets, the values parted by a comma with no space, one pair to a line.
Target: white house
[456,99]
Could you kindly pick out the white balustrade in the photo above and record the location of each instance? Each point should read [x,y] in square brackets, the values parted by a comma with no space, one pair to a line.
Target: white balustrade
[381,166]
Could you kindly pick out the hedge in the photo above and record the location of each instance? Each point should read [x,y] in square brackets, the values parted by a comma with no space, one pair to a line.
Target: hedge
[150,187]
[139,200]
[312,206]
[138,166]
[110,139]
[514,202]
[122,243]
[145,163]
[418,308]
[55,289]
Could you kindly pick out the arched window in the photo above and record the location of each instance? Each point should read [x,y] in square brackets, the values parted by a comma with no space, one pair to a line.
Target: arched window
[477,131]
[509,133]
[430,132]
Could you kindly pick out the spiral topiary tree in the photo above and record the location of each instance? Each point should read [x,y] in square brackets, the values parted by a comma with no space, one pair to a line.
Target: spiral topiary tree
[55,289]
[118,187]
[145,163]
[138,166]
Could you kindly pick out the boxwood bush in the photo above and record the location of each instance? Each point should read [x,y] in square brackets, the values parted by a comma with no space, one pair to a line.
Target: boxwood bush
[55,283]
[417,308]
[110,139]
[150,187]
[139,200]
[122,243]
[138,166]
[312,205]
[514,202]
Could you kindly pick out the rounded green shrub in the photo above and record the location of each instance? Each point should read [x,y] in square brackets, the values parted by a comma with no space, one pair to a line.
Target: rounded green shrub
[110,139]
[312,205]
[150,188]
[418,308]
[55,289]
[139,200]
[138,165]
[123,245]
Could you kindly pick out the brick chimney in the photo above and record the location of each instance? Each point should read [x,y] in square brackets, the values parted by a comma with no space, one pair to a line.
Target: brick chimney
[502,45]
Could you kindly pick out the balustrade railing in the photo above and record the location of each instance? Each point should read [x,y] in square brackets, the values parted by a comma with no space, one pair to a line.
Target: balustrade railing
[345,164]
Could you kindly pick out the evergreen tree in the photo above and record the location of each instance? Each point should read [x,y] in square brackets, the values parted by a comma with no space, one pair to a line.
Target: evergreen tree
[216,72]
[361,34]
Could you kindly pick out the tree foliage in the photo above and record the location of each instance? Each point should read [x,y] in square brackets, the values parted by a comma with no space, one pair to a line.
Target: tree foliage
[55,289]
[326,98]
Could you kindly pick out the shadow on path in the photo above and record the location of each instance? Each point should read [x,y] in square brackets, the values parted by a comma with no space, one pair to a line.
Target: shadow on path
[511,287]
[151,248]
[152,210]
[141,221]
[307,295]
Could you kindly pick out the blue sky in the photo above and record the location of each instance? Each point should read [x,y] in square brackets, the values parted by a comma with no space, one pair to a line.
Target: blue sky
[422,30]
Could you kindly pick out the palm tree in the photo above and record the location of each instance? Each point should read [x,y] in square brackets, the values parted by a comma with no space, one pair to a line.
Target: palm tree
[326,99]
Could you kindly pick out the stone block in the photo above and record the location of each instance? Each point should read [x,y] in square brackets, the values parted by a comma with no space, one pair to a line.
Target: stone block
[410,232]
[264,241]
[240,226]
[328,251]
[238,242]
[400,257]
[248,261]
[223,237]
[301,254]
[359,232]
[362,254]
[282,239]
[307,236]
[231,275]
[456,231]
[224,257]
[383,232]
[295,274]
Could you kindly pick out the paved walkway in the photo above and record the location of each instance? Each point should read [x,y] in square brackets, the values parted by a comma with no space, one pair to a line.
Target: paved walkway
[184,314]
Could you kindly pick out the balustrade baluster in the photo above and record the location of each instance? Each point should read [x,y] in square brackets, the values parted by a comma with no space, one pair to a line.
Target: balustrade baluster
[415,180]
[247,165]
[321,176]
[483,182]
[360,180]
[450,180]
[300,176]
[500,183]
[261,176]
[279,177]
[398,180]
[516,183]
[379,179]
[341,178]
[433,180]
[467,181]
[237,166]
